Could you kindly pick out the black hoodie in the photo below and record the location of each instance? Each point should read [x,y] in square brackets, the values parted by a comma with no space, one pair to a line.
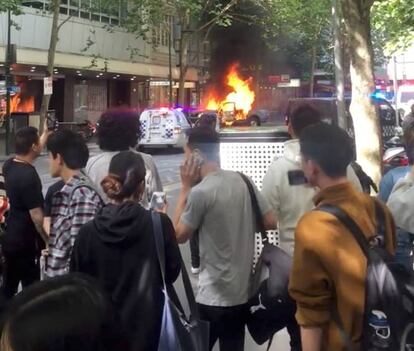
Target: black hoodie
[118,249]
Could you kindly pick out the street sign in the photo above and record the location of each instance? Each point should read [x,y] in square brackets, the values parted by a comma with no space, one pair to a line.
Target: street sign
[293,83]
[48,86]
[15,89]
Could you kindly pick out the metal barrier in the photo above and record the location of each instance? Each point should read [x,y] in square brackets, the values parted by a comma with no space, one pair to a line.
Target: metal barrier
[252,152]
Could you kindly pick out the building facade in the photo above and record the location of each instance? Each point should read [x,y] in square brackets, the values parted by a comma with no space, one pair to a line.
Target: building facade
[98,64]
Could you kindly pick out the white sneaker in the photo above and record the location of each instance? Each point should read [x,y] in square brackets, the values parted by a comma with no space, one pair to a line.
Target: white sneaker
[195,270]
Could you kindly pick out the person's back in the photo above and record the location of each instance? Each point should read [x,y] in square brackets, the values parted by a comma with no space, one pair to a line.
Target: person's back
[226,234]
[118,131]
[291,201]
[74,204]
[22,241]
[118,249]
[217,203]
[329,268]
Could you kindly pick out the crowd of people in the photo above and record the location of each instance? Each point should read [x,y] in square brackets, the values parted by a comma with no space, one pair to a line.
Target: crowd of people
[91,239]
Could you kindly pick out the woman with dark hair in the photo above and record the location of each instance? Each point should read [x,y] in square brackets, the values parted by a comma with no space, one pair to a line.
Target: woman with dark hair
[118,130]
[67,313]
[118,248]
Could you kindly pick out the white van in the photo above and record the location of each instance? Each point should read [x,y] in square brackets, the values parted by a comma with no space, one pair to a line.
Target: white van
[405,98]
[163,127]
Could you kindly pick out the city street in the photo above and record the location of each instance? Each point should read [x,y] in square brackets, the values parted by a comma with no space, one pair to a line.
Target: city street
[168,163]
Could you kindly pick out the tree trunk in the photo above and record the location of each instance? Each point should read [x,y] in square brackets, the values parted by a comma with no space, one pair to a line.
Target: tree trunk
[312,71]
[339,65]
[184,43]
[364,114]
[54,37]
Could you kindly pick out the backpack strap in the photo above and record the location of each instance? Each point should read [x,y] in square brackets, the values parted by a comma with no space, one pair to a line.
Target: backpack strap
[349,223]
[256,208]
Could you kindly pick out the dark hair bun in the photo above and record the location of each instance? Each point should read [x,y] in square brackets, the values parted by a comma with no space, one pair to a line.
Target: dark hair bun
[112,186]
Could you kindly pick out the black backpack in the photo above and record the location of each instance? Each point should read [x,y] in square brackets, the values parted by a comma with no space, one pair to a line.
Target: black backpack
[389,299]
[270,308]
[366,181]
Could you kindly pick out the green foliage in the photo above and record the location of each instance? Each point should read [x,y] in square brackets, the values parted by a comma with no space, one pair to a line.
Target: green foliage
[12,5]
[190,15]
[393,22]
[295,27]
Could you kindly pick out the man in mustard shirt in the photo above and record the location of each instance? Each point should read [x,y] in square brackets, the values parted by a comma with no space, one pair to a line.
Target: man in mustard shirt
[329,268]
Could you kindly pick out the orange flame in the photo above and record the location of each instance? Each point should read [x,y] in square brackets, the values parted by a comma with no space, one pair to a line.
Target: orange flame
[242,95]
[20,104]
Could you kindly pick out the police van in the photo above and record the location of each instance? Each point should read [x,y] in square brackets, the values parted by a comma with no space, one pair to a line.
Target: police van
[163,127]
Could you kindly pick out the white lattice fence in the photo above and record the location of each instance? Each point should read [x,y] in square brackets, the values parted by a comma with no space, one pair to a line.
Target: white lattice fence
[252,159]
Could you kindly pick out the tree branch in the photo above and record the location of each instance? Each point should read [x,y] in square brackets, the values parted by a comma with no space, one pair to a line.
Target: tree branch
[63,22]
[215,19]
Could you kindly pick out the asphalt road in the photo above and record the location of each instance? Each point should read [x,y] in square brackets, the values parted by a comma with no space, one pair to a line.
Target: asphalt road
[168,163]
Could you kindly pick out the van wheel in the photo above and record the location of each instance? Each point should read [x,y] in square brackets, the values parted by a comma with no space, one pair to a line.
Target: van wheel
[254,121]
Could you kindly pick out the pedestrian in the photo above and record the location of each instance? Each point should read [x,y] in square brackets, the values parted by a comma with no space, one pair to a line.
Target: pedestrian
[47,207]
[329,267]
[394,175]
[68,313]
[400,202]
[72,206]
[288,198]
[118,248]
[24,237]
[218,204]
[409,118]
[118,130]
[206,120]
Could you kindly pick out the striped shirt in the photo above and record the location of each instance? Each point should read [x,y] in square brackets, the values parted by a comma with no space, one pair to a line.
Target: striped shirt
[74,205]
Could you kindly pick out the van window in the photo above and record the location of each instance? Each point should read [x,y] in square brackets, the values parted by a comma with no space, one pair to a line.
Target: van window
[406,96]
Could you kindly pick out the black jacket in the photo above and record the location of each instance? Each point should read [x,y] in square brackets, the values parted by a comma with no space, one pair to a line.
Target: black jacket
[118,249]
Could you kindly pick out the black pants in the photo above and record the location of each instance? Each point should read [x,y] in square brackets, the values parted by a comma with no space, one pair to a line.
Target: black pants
[227,325]
[20,266]
[195,250]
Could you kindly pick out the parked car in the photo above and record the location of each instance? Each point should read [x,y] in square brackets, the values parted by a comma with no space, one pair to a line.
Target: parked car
[328,110]
[163,128]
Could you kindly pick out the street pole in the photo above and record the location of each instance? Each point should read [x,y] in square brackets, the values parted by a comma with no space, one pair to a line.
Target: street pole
[339,66]
[170,66]
[395,81]
[8,81]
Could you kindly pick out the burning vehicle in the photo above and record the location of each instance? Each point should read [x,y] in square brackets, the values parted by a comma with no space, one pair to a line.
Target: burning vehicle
[236,109]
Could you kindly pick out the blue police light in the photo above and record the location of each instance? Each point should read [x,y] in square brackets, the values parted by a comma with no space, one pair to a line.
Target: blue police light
[378,95]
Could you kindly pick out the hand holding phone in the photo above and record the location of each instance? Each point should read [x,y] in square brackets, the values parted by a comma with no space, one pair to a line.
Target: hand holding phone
[190,170]
[297,177]
[158,201]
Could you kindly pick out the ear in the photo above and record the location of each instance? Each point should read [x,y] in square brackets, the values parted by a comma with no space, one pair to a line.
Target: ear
[290,130]
[60,159]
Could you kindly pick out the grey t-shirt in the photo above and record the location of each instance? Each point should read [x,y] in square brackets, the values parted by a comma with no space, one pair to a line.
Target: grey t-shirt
[98,166]
[220,207]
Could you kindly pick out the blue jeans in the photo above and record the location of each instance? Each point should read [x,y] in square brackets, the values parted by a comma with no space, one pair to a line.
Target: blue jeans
[405,247]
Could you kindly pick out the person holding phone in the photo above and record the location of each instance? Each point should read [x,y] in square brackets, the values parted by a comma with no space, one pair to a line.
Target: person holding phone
[218,204]
[285,185]
[118,248]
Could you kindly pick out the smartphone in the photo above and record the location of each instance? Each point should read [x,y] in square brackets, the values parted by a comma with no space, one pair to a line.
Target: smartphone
[158,200]
[297,177]
[51,121]
[196,154]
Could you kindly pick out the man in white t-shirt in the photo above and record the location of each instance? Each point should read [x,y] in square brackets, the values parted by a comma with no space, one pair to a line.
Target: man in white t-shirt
[290,201]
[218,204]
[118,131]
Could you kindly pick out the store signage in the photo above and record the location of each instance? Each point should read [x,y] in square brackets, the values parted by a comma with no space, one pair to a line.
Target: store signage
[48,86]
[293,83]
[159,83]
[283,78]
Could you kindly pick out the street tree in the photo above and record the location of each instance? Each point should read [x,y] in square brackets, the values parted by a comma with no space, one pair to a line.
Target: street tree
[193,19]
[302,24]
[357,19]
[393,20]
[12,5]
